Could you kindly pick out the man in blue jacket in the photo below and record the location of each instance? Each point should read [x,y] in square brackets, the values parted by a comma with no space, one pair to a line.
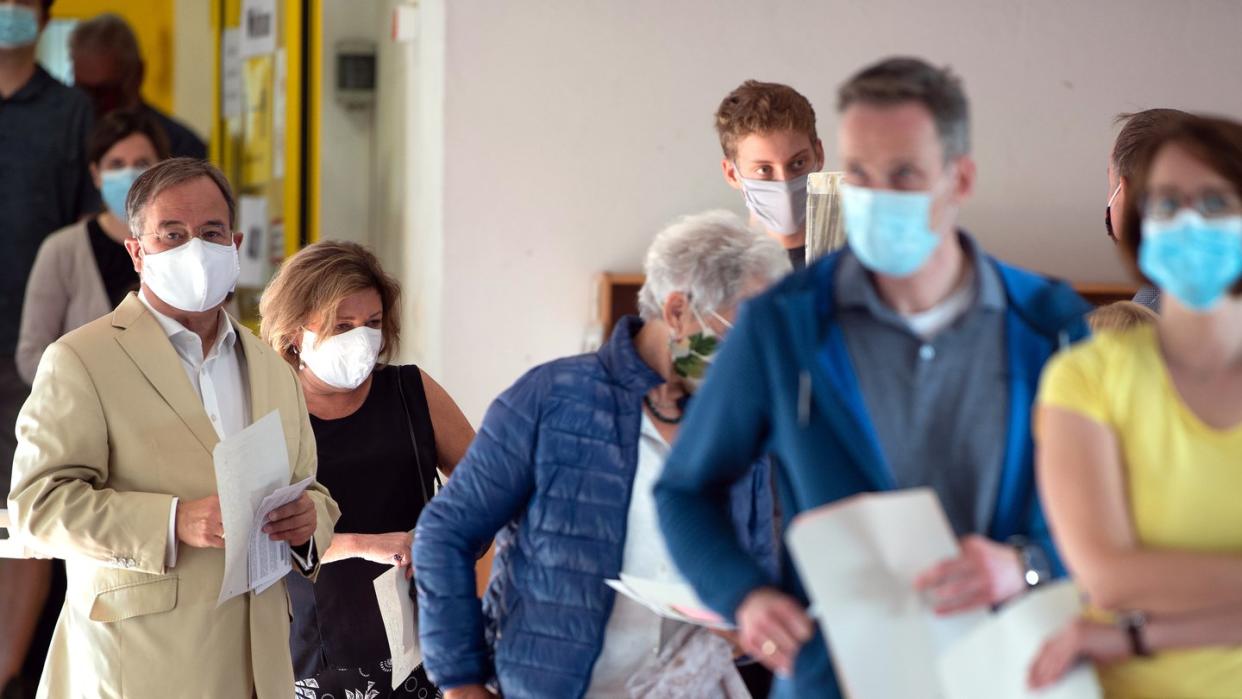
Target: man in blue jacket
[909,359]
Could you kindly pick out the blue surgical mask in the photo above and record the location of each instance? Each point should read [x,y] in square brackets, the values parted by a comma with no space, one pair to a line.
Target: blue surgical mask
[780,205]
[114,188]
[19,26]
[890,232]
[1193,259]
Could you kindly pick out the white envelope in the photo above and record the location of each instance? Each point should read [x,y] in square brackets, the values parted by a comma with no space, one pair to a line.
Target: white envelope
[858,559]
[993,660]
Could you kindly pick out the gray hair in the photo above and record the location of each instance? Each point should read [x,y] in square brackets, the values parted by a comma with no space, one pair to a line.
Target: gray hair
[111,33]
[710,257]
[170,173]
[896,80]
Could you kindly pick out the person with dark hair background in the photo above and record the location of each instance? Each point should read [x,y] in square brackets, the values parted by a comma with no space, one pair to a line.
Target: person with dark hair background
[46,187]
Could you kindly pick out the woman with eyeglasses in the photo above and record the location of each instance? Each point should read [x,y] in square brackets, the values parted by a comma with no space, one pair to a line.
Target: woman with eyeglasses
[562,475]
[382,431]
[82,271]
[1140,441]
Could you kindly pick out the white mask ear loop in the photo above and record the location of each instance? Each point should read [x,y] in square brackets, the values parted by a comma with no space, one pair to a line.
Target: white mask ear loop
[1115,191]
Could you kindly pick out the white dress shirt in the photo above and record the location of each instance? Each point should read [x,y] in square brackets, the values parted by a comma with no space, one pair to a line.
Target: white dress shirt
[633,632]
[219,379]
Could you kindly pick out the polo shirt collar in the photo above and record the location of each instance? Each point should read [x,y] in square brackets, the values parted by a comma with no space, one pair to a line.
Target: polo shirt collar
[855,289]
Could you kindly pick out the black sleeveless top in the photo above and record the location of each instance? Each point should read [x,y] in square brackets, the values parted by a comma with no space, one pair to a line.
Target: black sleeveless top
[367,463]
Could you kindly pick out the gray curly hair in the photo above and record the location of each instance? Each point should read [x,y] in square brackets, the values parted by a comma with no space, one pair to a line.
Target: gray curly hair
[710,257]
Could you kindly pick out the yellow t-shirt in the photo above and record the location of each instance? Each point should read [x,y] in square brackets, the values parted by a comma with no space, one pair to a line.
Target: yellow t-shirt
[1184,483]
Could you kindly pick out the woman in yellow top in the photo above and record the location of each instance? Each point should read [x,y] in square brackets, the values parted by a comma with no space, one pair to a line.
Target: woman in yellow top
[1139,452]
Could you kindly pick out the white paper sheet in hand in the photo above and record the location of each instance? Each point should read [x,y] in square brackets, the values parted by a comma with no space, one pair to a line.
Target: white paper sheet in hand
[269,560]
[400,615]
[858,559]
[675,601]
[249,465]
[993,660]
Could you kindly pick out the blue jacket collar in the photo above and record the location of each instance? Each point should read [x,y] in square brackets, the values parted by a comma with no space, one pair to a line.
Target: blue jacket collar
[620,359]
[1036,307]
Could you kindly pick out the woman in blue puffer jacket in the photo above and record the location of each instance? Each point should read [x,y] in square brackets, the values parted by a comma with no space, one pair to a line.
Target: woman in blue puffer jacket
[561,474]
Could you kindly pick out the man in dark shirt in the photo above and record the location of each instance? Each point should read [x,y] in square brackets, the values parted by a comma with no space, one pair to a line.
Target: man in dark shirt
[44,186]
[767,133]
[108,67]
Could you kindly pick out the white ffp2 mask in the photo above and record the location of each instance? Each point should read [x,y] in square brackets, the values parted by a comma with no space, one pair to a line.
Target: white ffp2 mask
[194,277]
[342,361]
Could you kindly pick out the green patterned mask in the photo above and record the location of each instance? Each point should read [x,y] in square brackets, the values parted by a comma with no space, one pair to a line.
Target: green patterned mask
[694,353]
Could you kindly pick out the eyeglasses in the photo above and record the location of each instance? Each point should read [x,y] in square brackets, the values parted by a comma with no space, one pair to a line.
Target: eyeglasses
[175,237]
[1210,203]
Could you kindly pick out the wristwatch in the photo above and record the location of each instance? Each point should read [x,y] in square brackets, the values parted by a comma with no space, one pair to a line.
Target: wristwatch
[1133,624]
[1035,566]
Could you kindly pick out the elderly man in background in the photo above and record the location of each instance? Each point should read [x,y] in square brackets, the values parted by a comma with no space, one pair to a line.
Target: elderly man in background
[108,67]
[114,468]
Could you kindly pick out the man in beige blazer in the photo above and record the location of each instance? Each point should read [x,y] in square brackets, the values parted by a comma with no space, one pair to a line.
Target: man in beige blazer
[114,468]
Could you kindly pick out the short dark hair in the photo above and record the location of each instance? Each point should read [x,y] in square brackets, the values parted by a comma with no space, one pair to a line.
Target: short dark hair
[904,79]
[1137,131]
[171,173]
[1214,141]
[109,32]
[121,124]
[762,108]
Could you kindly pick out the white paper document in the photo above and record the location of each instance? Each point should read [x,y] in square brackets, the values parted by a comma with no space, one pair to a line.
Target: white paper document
[269,560]
[252,479]
[400,615]
[858,559]
[675,601]
[993,660]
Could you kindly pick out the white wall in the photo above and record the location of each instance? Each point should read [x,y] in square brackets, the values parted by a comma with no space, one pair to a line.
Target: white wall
[347,136]
[571,130]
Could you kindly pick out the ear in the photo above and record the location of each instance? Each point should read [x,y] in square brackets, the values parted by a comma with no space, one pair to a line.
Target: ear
[134,247]
[729,170]
[95,176]
[677,314]
[819,155]
[964,178]
[237,239]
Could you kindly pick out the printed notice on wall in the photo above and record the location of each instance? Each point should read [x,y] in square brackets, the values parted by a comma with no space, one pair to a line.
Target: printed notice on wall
[252,222]
[258,27]
[231,74]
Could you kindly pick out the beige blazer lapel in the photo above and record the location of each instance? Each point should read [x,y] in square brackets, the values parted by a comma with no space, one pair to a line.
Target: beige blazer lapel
[258,375]
[146,344]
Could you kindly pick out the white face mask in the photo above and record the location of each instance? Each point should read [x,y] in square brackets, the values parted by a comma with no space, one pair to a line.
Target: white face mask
[194,277]
[779,205]
[342,361]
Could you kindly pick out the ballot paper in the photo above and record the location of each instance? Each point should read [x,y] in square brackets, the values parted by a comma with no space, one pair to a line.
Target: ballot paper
[252,479]
[400,615]
[269,560]
[993,660]
[858,559]
[675,601]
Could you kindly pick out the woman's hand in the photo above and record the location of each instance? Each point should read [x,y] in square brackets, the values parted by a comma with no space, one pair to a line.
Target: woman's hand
[772,628]
[391,549]
[1102,644]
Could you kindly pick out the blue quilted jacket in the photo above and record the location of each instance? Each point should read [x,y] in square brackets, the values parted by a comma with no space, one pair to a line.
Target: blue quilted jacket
[551,470]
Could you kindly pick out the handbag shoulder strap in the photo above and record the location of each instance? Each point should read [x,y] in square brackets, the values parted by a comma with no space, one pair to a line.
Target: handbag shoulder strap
[409,425]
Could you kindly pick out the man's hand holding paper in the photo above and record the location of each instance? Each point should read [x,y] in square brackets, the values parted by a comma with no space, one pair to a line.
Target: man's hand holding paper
[200,524]
[985,574]
[293,523]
